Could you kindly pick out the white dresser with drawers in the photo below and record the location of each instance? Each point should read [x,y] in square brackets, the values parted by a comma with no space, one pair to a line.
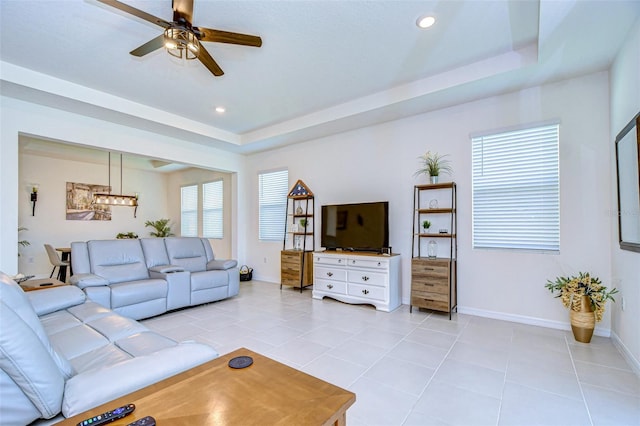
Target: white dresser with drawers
[358,278]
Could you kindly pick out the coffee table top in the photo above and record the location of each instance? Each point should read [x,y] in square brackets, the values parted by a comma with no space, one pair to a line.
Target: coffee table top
[265,393]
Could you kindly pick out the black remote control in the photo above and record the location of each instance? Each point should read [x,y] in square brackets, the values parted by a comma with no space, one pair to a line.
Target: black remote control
[109,416]
[145,421]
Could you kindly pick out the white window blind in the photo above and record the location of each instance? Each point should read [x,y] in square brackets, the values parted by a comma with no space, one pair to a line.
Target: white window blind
[516,190]
[212,210]
[273,189]
[189,211]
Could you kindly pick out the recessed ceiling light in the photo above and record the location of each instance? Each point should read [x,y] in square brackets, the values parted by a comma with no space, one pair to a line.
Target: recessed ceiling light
[220,109]
[425,21]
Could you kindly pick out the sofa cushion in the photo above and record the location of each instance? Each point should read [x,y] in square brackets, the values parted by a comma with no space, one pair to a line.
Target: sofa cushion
[118,260]
[187,252]
[130,293]
[208,279]
[13,295]
[144,343]
[25,359]
[154,251]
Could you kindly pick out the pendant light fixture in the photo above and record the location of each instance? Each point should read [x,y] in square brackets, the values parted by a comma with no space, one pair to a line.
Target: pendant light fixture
[109,199]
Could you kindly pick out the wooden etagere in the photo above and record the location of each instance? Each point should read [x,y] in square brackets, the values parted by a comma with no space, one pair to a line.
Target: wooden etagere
[296,258]
[434,269]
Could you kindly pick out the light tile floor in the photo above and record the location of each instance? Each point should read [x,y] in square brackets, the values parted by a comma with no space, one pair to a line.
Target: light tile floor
[421,368]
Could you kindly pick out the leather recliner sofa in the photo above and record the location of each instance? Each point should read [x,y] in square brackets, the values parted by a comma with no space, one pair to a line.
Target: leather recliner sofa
[62,354]
[141,278]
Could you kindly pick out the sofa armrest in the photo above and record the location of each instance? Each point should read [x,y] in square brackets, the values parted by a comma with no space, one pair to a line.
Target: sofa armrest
[166,269]
[55,299]
[81,392]
[88,280]
[221,264]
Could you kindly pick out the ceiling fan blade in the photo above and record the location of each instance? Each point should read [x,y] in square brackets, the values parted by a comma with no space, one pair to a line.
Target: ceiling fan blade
[209,62]
[183,9]
[207,34]
[149,46]
[136,12]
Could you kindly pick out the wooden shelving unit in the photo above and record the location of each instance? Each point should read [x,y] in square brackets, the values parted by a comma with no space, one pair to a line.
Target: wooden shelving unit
[296,258]
[434,275]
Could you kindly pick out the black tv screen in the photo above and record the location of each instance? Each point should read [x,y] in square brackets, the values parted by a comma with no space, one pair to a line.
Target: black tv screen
[357,227]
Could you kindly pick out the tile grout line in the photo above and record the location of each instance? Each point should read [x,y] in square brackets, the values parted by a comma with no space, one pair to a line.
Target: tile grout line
[435,371]
[575,371]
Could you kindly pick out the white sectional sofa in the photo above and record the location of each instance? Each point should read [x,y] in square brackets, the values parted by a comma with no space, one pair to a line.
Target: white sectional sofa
[62,354]
[141,278]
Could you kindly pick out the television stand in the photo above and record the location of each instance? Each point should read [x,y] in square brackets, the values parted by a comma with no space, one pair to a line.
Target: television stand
[358,278]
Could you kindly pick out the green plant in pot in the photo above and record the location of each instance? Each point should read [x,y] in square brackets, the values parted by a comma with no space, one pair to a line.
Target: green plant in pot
[434,164]
[161,226]
[303,224]
[585,296]
[22,243]
[126,235]
[426,225]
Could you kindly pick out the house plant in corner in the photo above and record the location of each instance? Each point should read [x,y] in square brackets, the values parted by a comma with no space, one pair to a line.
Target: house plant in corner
[433,164]
[585,296]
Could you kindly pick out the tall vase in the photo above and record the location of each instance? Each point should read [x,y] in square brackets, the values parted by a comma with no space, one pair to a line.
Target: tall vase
[584,321]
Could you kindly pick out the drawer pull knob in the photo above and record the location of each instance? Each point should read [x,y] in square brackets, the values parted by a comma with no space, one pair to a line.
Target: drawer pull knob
[329,286]
[365,291]
[339,260]
[329,274]
[365,278]
[379,263]
[353,262]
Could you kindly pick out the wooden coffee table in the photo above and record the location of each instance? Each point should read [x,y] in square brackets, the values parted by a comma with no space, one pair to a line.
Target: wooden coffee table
[41,284]
[265,393]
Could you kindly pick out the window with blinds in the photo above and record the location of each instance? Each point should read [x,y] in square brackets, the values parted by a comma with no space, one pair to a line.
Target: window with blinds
[212,210]
[516,190]
[189,211]
[272,193]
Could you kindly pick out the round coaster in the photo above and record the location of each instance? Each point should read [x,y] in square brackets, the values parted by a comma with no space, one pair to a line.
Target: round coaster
[240,362]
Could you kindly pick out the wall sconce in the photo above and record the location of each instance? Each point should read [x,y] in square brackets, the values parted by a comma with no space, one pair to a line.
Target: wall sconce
[34,197]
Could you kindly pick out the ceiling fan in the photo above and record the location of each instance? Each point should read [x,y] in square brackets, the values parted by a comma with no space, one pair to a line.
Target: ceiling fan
[181,38]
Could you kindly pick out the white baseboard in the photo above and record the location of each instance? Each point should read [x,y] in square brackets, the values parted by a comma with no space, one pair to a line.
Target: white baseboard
[522,319]
[626,353]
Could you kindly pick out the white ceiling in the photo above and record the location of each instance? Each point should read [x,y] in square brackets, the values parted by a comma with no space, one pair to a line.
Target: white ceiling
[324,67]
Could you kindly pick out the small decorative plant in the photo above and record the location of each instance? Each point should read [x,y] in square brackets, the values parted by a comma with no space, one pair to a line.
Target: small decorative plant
[161,226]
[433,164]
[126,235]
[570,290]
[426,225]
[22,243]
[303,223]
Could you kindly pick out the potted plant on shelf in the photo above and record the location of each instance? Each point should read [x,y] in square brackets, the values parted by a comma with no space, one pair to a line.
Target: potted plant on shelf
[303,224]
[585,296]
[161,226]
[426,225]
[433,164]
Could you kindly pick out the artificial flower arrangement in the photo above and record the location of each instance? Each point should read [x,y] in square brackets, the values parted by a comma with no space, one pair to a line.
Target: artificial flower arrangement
[433,164]
[569,290]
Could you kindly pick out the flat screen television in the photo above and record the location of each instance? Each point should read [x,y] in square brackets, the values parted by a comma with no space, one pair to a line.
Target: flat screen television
[355,227]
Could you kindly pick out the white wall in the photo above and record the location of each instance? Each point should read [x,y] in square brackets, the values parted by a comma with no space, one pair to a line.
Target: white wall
[23,117]
[378,162]
[625,103]
[49,225]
